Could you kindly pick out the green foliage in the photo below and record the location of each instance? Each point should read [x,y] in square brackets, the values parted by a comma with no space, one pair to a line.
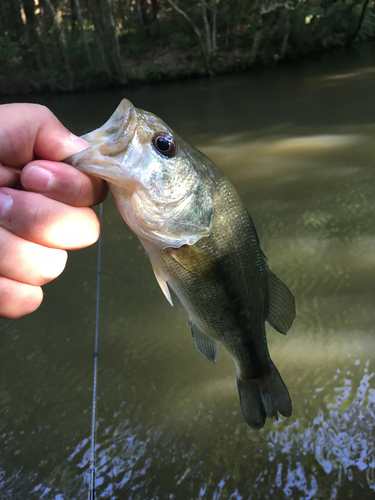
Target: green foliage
[133,42]
[153,73]
[58,55]
[181,40]
[9,51]
[368,26]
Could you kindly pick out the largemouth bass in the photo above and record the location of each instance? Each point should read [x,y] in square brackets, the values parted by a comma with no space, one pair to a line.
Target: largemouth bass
[202,244]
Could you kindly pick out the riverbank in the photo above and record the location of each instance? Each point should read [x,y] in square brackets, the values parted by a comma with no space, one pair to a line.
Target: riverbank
[160,63]
[83,45]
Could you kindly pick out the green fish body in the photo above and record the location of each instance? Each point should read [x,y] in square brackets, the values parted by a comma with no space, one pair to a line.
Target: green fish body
[202,244]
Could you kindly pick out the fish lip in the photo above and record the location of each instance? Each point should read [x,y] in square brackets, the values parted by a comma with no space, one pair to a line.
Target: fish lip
[116,127]
[108,143]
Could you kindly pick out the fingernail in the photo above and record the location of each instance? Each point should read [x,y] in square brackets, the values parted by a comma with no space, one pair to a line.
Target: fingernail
[79,141]
[6,201]
[39,179]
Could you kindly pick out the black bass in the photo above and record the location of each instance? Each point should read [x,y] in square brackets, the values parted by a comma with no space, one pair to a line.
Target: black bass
[201,242]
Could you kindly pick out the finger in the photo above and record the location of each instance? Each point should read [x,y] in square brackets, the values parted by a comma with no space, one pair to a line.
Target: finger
[32,131]
[64,183]
[18,299]
[8,176]
[47,222]
[28,262]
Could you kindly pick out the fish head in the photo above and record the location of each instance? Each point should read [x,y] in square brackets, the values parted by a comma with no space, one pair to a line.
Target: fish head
[162,185]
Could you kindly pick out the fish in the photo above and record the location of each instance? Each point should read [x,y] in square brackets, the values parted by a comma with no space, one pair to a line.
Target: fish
[202,244]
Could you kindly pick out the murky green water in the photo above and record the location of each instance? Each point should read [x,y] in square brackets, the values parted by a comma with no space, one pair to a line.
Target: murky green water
[299,144]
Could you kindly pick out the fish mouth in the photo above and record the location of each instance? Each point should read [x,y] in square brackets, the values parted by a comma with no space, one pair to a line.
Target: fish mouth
[108,144]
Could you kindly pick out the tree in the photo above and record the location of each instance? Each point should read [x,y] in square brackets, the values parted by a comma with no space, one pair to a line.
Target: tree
[62,41]
[65,44]
[198,35]
[354,35]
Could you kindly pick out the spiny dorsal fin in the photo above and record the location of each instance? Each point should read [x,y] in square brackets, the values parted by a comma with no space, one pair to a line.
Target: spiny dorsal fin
[196,261]
[282,308]
[205,344]
[161,280]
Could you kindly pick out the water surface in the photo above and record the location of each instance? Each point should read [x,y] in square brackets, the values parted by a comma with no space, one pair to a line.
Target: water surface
[298,143]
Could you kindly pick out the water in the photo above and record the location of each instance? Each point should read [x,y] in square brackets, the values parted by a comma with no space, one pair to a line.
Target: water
[298,143]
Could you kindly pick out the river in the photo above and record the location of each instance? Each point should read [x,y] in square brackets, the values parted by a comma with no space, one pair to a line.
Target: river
[298,142]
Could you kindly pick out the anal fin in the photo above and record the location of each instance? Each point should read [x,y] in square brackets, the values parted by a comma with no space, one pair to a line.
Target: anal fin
[205,344]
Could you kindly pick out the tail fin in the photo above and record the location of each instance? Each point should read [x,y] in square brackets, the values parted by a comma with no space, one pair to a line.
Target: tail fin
[263,397]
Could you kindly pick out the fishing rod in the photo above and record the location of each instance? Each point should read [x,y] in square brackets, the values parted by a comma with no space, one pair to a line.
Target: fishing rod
[91,495]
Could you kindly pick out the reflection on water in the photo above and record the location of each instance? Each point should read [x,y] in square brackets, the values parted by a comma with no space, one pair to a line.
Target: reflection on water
[302,460]
[341,440]
[298,143]
[363,72]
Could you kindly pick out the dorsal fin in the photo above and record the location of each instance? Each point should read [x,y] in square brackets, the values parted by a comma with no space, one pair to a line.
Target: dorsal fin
[205,344]
[282,308]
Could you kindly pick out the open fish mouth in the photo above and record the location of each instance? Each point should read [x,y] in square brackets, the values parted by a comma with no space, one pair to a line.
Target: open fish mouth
[109,144]
[115,129]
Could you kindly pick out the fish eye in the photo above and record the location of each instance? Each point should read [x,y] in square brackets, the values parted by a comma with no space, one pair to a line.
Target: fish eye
[164,144]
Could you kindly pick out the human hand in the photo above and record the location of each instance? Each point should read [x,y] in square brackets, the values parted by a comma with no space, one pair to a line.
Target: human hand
[44,204]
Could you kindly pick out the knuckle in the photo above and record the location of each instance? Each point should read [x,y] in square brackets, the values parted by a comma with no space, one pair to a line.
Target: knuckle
[80,194]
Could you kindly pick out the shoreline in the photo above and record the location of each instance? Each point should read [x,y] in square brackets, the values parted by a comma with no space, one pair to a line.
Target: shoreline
[166,64]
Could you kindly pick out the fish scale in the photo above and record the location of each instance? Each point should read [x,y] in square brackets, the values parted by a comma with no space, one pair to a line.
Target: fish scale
[202,243]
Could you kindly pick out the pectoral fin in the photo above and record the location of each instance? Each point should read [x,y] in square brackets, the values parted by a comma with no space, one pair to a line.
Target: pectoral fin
[282,309]
[205,344]
[196,261]
[162,281]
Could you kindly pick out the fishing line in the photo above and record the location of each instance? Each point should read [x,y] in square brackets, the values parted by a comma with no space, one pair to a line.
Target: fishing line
[96,353]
